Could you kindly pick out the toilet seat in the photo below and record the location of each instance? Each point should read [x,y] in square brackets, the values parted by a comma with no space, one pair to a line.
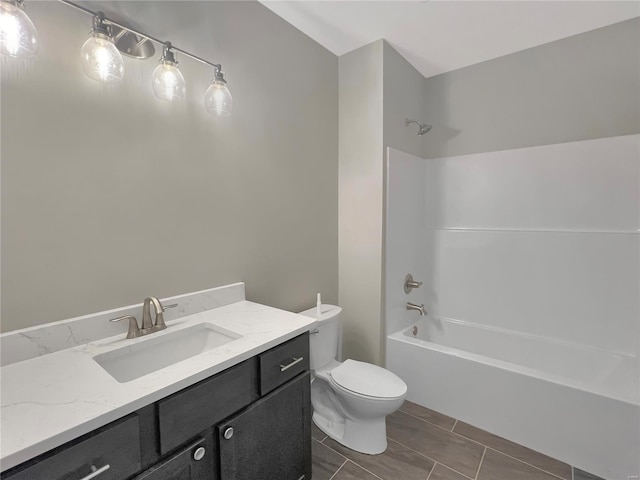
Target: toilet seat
[368,380]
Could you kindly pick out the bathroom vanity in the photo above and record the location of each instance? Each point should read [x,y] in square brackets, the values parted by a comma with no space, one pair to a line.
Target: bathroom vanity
[234,412]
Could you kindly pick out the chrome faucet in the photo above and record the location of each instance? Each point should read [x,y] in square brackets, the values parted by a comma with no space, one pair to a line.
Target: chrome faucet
[419,308]
[147,325]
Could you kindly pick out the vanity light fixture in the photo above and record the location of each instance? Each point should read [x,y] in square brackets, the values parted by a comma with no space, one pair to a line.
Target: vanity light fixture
[100,58]
[217,98]
[167,80]
[18,34]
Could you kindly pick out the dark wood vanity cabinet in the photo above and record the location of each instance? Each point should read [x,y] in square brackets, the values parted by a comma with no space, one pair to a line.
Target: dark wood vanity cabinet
[113,451]
[262,442]
[249,422]
[194,461]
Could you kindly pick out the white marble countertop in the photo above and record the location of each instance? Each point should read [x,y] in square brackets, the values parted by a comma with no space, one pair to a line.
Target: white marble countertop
[51,399]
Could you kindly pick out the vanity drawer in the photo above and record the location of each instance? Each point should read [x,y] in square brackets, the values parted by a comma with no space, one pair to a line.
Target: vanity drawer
[185,414]
[282,363]
[114,452]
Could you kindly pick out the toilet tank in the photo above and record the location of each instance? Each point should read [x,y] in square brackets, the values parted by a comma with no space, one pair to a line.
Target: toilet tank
[323,345]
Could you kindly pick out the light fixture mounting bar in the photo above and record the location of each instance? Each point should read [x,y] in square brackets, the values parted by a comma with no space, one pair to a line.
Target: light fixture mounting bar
[217,66]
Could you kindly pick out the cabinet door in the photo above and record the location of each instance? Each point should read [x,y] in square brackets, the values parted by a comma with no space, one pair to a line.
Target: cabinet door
[271,439]
[193,462]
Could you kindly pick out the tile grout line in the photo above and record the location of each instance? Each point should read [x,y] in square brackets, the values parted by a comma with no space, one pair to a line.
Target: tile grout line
[486,446]
[484,452]
[528,464]
[339,468]
[352,461]
[433,460]
[451,431]
[414,451]
[319,440]
[511,456]
[347,459]
[431,471]
[357,464]
[431,423]
[334,451]
[458,435]
[395,441]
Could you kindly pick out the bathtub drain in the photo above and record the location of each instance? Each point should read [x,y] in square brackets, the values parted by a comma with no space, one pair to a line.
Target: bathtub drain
[414,330]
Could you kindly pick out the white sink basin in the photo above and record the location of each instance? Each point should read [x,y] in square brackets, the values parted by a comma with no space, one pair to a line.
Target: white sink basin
[157,352]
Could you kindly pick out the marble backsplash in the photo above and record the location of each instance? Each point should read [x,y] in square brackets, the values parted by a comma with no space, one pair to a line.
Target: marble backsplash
[19,345]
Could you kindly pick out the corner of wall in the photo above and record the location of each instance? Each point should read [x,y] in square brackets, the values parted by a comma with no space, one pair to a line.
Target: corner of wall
[360,200]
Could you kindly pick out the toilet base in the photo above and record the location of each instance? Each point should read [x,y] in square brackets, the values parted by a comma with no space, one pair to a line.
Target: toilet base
[368,436]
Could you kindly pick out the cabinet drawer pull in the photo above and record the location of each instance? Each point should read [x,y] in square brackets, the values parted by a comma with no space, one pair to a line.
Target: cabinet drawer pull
[288,366]
[228,433]
[199,454]
[95,472]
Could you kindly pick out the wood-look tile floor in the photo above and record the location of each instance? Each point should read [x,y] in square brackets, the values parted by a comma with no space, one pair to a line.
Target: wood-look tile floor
[426,445]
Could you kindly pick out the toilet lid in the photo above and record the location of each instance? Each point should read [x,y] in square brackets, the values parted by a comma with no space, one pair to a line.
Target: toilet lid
[367,379]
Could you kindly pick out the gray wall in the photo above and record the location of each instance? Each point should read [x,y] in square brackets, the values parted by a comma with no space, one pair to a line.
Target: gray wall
[403,98]
[378,90]
[581,87]
[361,201]
[109,195]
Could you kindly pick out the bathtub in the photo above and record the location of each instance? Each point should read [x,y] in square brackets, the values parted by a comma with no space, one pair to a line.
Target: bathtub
[576,403]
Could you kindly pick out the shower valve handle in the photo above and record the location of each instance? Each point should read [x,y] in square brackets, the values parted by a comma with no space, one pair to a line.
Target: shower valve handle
[410,284]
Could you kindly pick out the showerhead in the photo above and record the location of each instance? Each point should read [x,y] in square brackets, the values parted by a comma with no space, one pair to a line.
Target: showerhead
[423,127]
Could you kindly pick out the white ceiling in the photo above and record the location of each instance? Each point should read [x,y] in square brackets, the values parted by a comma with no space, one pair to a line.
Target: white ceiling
[440,36]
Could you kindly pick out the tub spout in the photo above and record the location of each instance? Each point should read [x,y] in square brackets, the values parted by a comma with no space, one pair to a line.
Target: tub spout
[419,308]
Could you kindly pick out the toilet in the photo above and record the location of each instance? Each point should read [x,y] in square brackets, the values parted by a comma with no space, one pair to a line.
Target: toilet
[350,399]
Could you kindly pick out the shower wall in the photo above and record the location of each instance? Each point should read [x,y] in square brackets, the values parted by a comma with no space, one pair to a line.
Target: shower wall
[542,240]
[404,235]
[577,88]
[570,90]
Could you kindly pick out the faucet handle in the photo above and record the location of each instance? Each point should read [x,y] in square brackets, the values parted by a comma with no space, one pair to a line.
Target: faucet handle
[410,283]
[160,325]
[134,330]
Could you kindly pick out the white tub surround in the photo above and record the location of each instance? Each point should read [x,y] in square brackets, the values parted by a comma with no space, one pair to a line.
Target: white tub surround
[530,260]
[575,403]
[542,240]
[51,398]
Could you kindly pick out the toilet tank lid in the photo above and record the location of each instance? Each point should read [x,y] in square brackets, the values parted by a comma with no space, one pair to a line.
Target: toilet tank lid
[368,379]
[327,312]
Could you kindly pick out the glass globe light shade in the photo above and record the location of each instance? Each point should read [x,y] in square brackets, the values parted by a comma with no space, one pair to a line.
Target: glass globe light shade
[101,60]
[167,82]
[18,35]
[218,99]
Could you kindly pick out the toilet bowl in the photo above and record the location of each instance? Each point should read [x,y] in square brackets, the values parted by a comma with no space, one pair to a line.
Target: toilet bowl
[350,399]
